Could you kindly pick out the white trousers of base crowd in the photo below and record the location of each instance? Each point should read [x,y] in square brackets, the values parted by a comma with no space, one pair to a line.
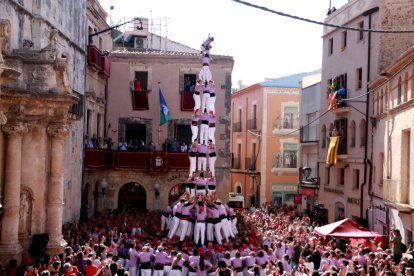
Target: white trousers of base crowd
[145,272]
[217,232]
[210,232]
[199,232]
[183,229]
[225,229]
[174,228]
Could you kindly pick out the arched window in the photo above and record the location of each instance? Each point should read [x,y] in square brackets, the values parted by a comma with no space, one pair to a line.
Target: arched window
[399,90]
[239,189]
[406,87]
[362,133]
[323,136]
[353,132]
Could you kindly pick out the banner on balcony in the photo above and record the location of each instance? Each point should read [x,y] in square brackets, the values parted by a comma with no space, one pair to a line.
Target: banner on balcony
[331,158]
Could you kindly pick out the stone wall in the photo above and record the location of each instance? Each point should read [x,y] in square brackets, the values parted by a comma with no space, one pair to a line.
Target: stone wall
[395,15]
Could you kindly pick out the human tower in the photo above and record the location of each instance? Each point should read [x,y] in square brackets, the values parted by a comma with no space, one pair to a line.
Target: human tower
[199,213]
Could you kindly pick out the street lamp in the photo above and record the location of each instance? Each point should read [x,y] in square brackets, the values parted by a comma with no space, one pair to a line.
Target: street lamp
[306,172]
[157,195]
[104,184]
[156,187]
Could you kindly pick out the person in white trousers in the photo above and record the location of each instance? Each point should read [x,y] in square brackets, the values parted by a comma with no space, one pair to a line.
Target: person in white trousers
[205,99]
[185,217]
[200,227]
[205,74]
[212,128]
[195,119]
[202,157]
[233,221]
[211,184]
[211,157]
[165,217]
[176,217]
[204,125]
[223,219]
[190,187]
[193,157]
[209,223]
[212,100]
[199,87]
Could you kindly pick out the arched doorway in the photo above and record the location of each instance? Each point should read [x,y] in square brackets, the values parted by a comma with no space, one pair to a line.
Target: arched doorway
[132,195]
[175,193]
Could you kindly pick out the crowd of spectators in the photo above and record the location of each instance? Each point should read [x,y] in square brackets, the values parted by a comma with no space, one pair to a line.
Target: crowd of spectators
[277,241]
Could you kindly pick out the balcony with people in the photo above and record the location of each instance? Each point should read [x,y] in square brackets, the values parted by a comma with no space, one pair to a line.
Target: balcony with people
[285,161]
[338,94]
[134,156]
[286,123]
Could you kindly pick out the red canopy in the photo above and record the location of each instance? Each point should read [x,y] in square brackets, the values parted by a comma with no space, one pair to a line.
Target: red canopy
[345,228]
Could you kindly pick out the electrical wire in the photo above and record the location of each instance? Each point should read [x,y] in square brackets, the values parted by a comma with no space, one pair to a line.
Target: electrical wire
[321,23]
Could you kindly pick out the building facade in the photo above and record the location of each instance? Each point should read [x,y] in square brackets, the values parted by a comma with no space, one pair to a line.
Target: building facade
[351,59]
[309,137]
[265,141]
[42,69]
[392,110]
[152,178]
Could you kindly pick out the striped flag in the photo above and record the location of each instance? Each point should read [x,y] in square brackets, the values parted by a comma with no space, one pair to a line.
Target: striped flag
[164,111]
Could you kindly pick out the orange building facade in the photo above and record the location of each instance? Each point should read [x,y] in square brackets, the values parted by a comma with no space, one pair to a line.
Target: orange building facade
[264,142]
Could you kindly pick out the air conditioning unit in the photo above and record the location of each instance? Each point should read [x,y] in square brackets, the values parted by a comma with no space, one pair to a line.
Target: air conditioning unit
[140,42]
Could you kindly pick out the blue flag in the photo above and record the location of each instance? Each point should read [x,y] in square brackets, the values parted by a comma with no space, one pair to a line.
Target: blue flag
[164,111]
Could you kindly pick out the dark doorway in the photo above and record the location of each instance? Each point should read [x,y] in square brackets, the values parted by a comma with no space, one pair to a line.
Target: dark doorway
[132,195]
[135,133]
[183,134]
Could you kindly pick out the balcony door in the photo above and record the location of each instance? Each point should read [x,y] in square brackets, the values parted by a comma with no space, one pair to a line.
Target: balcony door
[132,195]
[135,133]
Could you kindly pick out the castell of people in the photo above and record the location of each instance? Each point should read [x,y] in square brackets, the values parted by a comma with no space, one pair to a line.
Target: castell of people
[194,138]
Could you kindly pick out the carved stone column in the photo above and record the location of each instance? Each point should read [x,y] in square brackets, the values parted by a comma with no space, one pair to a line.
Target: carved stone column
[9,241]
[58,133]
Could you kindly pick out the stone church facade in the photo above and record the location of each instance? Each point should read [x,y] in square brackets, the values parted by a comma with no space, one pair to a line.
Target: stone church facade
[42,82]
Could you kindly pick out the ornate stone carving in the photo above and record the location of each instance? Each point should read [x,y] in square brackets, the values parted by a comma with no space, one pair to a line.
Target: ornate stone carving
[25,213]
[5,72]
[59,130]
[15,129]
[5,28]
[3,118]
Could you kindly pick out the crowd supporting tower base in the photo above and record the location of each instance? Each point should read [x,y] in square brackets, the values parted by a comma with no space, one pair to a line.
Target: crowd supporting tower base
[269,241]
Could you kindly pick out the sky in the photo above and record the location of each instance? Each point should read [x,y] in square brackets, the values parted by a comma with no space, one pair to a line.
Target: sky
[262,44]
